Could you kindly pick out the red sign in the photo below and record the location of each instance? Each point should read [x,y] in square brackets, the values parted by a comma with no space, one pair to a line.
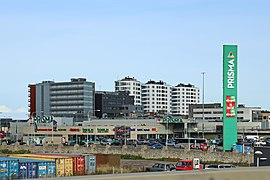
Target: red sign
[74,129]
[2,134]
[230,106]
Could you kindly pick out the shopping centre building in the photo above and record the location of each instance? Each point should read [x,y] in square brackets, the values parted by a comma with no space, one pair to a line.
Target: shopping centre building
[63,131]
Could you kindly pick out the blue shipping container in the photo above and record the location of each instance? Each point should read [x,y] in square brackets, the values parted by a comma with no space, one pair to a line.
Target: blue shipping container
[32,168]
[46,169]
[36,168]
[8,168]
[27,170]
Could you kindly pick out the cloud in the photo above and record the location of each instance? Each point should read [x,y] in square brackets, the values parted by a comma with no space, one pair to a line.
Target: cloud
[5,109]
[21,110]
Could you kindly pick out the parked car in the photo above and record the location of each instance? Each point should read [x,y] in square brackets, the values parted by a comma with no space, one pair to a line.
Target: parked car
[131,142]
[157,146]
[141,141]
[220,166]
[162,166]
[106,141]
[179,146]
[116,142]
[152,142]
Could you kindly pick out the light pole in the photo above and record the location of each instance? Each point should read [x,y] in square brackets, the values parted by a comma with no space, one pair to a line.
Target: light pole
[32,126]
[88,117]
[167,132]
[188,137]
[258,153]
[203,73]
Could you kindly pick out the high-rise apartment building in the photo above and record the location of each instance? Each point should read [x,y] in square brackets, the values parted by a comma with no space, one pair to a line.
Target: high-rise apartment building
[182,96]
[131,85]
[63,99]
[159,97]
[156,97]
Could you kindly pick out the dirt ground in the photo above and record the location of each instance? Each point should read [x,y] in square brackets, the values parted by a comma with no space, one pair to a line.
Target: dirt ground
[139,164]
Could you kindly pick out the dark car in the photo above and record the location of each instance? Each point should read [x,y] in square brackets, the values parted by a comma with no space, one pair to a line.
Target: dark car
[157,146]
[116,142]
[162,166]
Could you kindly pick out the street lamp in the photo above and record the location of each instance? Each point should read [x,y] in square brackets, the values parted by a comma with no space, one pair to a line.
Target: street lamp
[188,138]
[259,153]
[32,126]
[203,73]
[167,132]
[88,116]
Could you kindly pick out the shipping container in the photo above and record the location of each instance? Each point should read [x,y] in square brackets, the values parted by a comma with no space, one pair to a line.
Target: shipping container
[90,164]
[78,162]
[29,168]
[64,165]
[9,168]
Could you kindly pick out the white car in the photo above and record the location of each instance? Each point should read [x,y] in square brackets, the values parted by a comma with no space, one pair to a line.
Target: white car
[106,142]
[220,166]
[259,143]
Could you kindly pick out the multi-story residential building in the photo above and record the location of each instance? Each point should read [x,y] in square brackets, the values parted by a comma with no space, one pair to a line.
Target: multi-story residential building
[156,97]
[182,96]
[131,85]
[116,104]
[214,113]
[63,99]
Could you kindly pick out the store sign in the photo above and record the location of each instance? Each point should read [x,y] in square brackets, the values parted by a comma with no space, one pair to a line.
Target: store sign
[230,61]
[2,134]
[88,130]
[43,119]
[230,106]
[74,129]
[102,130]
[171,120]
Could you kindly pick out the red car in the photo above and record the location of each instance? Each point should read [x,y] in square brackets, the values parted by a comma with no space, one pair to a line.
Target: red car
[188,165]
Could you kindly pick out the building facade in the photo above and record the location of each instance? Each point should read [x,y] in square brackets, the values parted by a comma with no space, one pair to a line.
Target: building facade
[63,99]
[131,85]
[182,96]
[214,113]
[156,97]
[116,104]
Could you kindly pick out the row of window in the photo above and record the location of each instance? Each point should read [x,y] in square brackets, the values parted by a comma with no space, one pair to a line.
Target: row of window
[216,112]
[155,103]
[158,107]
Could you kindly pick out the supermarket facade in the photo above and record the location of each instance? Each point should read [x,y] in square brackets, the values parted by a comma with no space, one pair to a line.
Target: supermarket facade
[51,131]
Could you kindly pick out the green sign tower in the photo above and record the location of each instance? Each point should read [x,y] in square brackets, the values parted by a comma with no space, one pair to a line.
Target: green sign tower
[229,96]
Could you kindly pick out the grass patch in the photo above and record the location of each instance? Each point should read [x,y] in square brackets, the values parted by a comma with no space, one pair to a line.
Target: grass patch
[7,151]
[107,169]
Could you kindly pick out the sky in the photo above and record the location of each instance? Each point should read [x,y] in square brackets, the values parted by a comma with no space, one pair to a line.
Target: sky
[107,40]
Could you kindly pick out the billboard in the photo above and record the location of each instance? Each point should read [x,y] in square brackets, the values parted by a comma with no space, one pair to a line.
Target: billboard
[230,62]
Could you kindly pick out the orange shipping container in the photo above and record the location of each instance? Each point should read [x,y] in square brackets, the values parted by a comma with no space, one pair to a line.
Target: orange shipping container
[78,162]
[64,165]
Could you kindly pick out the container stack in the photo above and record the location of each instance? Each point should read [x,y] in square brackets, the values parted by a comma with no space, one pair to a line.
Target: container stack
[25,168]
[28,166]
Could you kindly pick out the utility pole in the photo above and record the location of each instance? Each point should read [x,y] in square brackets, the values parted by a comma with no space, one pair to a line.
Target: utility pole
[203,73]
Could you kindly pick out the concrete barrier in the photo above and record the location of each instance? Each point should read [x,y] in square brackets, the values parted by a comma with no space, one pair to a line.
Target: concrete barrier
[236,174]
[143,151]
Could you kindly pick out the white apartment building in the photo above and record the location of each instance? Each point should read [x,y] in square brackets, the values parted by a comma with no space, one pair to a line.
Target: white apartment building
[182,96]
[156,97]
[131,85]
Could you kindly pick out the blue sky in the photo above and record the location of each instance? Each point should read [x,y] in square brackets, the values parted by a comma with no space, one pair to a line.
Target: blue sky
[106,40]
